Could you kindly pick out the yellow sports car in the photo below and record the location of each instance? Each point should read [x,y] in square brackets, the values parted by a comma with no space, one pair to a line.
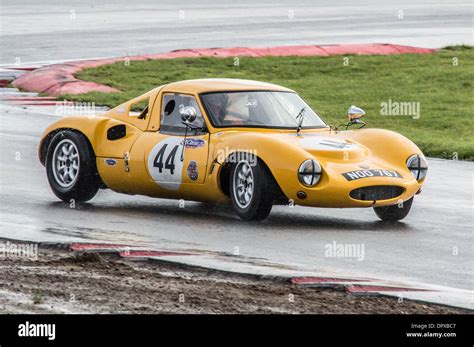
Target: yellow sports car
[248,143]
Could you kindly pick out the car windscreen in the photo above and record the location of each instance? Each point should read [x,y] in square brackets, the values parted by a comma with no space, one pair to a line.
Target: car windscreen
[260,109]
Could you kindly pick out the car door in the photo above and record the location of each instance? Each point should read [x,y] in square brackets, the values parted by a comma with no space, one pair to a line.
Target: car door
[176,155]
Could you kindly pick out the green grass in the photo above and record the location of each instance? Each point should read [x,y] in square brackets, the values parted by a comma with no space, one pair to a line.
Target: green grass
[444,91]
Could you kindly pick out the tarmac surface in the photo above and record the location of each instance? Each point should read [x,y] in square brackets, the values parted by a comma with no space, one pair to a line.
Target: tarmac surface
[52,30]
[432,245]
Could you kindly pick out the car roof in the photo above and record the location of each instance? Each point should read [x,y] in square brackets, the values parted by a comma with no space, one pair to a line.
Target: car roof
[220,85]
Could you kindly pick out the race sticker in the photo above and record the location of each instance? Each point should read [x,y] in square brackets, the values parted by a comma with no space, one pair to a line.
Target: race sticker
[193,170]
[194,143]
[355,175]
[164,163]
[110,162]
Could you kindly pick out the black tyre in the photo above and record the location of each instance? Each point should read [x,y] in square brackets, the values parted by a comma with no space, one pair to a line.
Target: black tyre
[252,188]
[394,213]
[71,167]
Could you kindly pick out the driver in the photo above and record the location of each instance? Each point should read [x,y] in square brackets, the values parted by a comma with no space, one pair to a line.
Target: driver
[218,105]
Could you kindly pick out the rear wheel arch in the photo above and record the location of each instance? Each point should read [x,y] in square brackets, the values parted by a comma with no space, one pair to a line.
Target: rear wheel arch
[44,144]
[71,166]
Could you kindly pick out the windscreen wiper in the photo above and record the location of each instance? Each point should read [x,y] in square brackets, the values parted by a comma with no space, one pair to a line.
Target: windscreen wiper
[300,116]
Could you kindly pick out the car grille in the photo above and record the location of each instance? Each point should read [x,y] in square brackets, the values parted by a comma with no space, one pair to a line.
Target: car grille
[376,193]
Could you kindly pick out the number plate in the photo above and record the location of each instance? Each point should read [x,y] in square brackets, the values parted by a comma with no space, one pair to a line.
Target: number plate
[358,174]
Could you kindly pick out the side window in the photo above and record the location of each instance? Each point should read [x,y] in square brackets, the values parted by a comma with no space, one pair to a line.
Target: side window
[171,122]
[139,109]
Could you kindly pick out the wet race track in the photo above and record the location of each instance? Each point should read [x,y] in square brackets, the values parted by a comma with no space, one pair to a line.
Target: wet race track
[432,245]
[54,30]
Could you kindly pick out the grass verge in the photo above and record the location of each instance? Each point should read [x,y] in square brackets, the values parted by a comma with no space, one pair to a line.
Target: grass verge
[441,84]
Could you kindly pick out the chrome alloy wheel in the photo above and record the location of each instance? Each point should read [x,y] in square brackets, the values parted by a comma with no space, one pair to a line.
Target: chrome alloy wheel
[243,184]
[65,163]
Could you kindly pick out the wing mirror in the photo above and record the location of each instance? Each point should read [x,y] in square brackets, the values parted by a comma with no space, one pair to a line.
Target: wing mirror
[354,115]
[188,113]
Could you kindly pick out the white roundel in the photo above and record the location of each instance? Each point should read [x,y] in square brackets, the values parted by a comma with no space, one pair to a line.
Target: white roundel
[164,163]
[322,143]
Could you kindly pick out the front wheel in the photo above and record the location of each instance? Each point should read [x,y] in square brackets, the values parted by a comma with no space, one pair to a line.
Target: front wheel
[252,188]
[394,213]
[71,167]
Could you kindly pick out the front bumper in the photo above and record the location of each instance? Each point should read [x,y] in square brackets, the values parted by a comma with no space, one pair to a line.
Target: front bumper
[334,190]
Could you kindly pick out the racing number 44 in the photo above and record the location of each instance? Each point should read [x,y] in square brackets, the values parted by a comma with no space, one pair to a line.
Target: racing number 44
[169,162]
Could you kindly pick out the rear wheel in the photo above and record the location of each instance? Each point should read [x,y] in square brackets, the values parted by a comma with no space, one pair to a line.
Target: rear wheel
[71,167]
[252,188]
[394,213]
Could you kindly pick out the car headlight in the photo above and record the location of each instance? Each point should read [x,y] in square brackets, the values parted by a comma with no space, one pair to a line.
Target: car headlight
[309,172]
[418,166]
